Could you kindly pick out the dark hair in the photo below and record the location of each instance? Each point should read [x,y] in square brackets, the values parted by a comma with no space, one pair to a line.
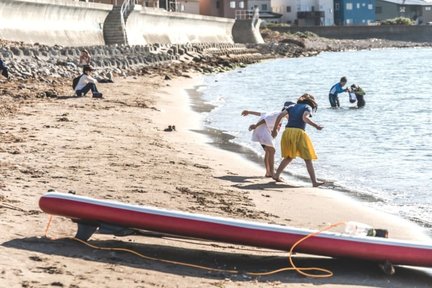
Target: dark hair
[87,68]
[308,99]
[343,79]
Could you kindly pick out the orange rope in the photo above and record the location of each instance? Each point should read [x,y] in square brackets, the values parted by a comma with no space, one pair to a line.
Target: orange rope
[300,270]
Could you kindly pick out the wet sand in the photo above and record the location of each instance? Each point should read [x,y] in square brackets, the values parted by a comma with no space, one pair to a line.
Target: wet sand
[116,148]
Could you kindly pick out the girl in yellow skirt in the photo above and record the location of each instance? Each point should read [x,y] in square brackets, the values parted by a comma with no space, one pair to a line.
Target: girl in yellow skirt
[295,142]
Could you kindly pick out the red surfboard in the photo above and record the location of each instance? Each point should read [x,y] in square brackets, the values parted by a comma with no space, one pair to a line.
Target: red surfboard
[94,213]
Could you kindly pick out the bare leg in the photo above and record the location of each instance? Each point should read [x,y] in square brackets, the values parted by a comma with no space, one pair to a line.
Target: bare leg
[281,167]
[311,171]
[266,156]
[269,161]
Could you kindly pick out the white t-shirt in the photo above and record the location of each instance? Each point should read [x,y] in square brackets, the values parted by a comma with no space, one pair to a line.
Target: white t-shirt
[262,133]
[84,80]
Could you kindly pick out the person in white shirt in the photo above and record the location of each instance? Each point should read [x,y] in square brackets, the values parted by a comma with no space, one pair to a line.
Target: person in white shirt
[262,134]
[87,83]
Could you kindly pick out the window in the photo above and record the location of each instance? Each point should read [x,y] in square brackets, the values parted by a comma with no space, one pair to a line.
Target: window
[264,7]
[288,9]
[427,8]
[349,6]
[217,4]
[232,4]
[402,9]
[378,10]
[241,5]
[358,5]
[337,6]
[370,6]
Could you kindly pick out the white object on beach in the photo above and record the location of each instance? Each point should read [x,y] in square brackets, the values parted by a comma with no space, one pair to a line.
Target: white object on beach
[358,229]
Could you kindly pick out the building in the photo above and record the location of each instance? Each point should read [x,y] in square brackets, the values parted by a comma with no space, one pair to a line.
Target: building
[222,8]
[186,6]
[305,12]
[265,10]
[354,12]
[417,10]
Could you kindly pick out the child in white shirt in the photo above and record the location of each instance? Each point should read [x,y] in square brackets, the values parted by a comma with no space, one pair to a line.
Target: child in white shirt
[262,134]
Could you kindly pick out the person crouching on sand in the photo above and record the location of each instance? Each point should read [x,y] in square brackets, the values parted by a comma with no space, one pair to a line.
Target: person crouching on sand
[295,142]
[262,134]
[86,83]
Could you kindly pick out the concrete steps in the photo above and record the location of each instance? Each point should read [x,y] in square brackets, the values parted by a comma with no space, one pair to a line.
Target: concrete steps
[114,32]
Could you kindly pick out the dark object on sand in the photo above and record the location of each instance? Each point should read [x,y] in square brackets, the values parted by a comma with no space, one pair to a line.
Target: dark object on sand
[170,128]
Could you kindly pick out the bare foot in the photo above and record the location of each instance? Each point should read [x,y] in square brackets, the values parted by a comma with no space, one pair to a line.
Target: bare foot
[317,184]
[268,175]
[278,179]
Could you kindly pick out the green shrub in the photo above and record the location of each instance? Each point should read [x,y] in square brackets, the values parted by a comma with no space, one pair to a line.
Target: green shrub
[398,21]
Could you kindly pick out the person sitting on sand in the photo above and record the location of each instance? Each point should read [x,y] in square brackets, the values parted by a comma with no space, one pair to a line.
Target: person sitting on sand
[335,90]
[295,142]
[87,83]
[262,134]
[359,95]
[85,58]
[3,69]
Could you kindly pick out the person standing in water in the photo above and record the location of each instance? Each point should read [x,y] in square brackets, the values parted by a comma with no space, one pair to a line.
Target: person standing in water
[262,133]
[295,142]
[359,95]
[335,90]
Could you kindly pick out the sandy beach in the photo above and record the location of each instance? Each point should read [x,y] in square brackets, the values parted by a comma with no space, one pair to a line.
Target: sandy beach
[116,148]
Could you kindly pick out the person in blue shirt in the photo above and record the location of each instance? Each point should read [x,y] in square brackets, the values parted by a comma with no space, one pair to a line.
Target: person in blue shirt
[335,90]
[3,69]
[295,142]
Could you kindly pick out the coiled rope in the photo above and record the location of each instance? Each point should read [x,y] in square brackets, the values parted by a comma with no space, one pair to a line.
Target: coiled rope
[325,273]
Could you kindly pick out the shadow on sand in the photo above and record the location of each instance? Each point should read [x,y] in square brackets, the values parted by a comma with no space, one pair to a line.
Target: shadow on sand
[244,182]
[346,272]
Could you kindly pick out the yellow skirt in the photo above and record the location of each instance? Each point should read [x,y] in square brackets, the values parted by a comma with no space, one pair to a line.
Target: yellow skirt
[295,142]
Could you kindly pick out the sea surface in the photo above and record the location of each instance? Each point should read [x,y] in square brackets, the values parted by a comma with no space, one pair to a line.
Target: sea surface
[381,153]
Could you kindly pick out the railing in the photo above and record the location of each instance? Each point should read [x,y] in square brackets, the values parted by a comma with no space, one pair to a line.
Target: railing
[176,6]
[247,14]
[126,8]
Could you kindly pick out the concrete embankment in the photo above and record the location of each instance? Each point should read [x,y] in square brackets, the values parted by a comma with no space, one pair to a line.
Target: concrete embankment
[53,22]
[413,33]
[70,23]
[148,26]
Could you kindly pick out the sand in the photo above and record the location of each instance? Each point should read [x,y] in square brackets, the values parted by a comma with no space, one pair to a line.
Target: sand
[116,148]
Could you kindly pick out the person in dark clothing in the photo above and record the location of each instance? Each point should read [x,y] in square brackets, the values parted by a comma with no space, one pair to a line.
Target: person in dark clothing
[335,90]
[359,93]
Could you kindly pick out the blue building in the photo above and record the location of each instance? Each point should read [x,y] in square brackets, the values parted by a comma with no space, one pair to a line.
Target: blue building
[354,12]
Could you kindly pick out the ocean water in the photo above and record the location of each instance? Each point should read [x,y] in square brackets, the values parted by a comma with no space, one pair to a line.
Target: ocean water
[381,153]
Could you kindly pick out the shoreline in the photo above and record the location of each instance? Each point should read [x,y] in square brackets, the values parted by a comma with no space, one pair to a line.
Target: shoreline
[221,140]
[116,148]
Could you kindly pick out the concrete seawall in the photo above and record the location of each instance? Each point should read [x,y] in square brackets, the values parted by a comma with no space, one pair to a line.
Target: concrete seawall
[75,23]
[148,26]
[413,33]
[53,22]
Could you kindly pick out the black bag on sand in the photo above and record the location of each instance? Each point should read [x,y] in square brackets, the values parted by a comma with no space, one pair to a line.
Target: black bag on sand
[75,81]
